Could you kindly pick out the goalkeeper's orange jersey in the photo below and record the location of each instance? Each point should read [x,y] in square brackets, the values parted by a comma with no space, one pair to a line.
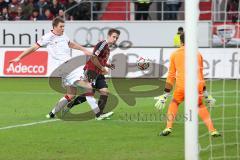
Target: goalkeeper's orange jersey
[177,69]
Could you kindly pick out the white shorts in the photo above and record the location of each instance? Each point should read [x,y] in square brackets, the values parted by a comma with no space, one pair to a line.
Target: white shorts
[68,78]
[75,75]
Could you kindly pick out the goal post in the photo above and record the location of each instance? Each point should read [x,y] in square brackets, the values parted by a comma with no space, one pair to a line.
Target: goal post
[191,80]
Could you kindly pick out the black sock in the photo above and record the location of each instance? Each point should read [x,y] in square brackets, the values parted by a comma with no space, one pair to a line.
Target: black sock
[102,102]
[76,101]
[51,115]
[98,114]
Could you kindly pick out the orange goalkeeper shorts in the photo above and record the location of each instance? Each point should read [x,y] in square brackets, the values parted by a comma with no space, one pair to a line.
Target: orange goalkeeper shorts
[178,96]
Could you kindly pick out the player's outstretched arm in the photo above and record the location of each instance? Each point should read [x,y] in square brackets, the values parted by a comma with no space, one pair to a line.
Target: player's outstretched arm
[25,53]
[208,98]
[96,62]
[111,66]
[74,45]
[161,100]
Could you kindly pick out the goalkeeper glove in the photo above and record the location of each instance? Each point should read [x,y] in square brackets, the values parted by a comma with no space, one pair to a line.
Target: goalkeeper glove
[209,99]
[161,100]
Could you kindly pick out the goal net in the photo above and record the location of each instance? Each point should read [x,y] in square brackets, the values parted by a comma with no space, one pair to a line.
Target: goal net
[223,83]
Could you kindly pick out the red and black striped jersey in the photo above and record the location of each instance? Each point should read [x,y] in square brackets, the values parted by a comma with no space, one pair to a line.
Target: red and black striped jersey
[102,51]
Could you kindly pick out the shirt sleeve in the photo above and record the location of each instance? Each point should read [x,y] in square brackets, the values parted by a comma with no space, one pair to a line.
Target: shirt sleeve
[201,76]
[45,40]
[99,47]
[172,71]
[67,38]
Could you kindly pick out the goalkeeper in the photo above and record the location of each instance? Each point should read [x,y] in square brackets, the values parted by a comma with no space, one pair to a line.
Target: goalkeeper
[176,72]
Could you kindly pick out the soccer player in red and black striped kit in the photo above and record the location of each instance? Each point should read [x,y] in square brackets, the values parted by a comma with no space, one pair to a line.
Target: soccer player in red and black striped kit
[94,72]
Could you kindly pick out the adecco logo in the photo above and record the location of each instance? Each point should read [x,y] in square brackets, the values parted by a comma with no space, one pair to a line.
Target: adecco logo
[33,64]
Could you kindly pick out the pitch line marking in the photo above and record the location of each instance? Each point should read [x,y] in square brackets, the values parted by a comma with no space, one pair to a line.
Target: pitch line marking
[28,124]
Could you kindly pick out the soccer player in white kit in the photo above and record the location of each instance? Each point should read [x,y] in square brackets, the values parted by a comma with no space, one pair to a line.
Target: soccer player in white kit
[58,45]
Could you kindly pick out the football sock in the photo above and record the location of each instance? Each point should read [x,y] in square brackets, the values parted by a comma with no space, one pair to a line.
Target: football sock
[171,114]
[102,102]
[78,100]
[61,103]
[205,116]
[51,115]
[93,104]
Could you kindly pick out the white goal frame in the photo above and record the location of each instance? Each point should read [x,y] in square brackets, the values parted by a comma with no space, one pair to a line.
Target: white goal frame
[191,80]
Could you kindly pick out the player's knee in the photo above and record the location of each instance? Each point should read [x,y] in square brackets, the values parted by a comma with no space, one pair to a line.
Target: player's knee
[104,91]
[69,97]
[91,93]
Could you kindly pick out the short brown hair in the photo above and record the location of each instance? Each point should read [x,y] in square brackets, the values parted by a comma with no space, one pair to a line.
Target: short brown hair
[180,29]
[56,21]
[113,30]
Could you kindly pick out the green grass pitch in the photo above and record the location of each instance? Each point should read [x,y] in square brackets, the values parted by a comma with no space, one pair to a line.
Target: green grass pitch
[131,134]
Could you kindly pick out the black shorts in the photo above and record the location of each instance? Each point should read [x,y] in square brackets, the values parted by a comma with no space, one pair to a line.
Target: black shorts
[98,80]
[90,76]
[101,82]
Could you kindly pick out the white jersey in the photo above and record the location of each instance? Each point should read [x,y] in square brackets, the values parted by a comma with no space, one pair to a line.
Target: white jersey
[57,46]
[60,52]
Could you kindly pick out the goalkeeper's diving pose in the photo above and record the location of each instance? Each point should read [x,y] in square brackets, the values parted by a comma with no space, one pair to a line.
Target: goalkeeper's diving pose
[176,72]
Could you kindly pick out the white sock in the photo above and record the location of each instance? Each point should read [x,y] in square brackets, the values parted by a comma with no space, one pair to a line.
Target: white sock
[61,103]
[93,103]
